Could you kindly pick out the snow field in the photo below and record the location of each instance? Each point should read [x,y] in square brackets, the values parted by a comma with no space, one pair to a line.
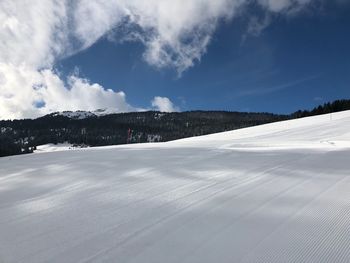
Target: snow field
[271,193]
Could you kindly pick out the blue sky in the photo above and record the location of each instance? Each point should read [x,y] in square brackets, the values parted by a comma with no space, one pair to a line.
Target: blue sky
[129,55]
[294,63]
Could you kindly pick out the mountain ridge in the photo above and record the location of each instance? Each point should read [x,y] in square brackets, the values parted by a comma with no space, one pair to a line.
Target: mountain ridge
[102,127]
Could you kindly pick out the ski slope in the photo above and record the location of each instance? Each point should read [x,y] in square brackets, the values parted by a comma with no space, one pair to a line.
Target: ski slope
[272,193]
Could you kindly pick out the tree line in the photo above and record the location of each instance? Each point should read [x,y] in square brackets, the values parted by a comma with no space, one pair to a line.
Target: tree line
[23,136]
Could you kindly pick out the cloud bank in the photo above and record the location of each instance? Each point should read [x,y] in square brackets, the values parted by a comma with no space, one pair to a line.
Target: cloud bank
[163,104]
[34,34]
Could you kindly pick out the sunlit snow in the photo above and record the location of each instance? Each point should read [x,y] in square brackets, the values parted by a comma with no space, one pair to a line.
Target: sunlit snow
[273,193]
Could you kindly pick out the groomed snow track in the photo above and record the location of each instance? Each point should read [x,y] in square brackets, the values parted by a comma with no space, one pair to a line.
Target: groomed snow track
[273,193]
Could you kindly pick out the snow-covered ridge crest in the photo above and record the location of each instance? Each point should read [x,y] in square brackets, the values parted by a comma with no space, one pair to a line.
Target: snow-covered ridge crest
[80,114]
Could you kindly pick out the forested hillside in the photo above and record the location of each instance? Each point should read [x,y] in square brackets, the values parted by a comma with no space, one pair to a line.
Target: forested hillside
[22,136]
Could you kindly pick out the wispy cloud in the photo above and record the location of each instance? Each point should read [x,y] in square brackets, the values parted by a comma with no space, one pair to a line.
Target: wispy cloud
[318,99]
[272,89]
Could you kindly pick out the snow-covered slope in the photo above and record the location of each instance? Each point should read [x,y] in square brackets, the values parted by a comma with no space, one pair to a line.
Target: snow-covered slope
[273,193]
[53,147]
[57,147]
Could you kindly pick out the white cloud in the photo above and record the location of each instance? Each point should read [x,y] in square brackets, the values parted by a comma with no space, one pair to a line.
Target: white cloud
[34,34]
[175,33]
[163,104]
[25,88]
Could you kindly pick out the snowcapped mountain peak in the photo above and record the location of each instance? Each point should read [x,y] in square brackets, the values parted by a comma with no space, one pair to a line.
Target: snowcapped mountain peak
[75,114]
[79,115]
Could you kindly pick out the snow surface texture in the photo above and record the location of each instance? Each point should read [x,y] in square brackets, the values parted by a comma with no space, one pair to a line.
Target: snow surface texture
[273,193]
